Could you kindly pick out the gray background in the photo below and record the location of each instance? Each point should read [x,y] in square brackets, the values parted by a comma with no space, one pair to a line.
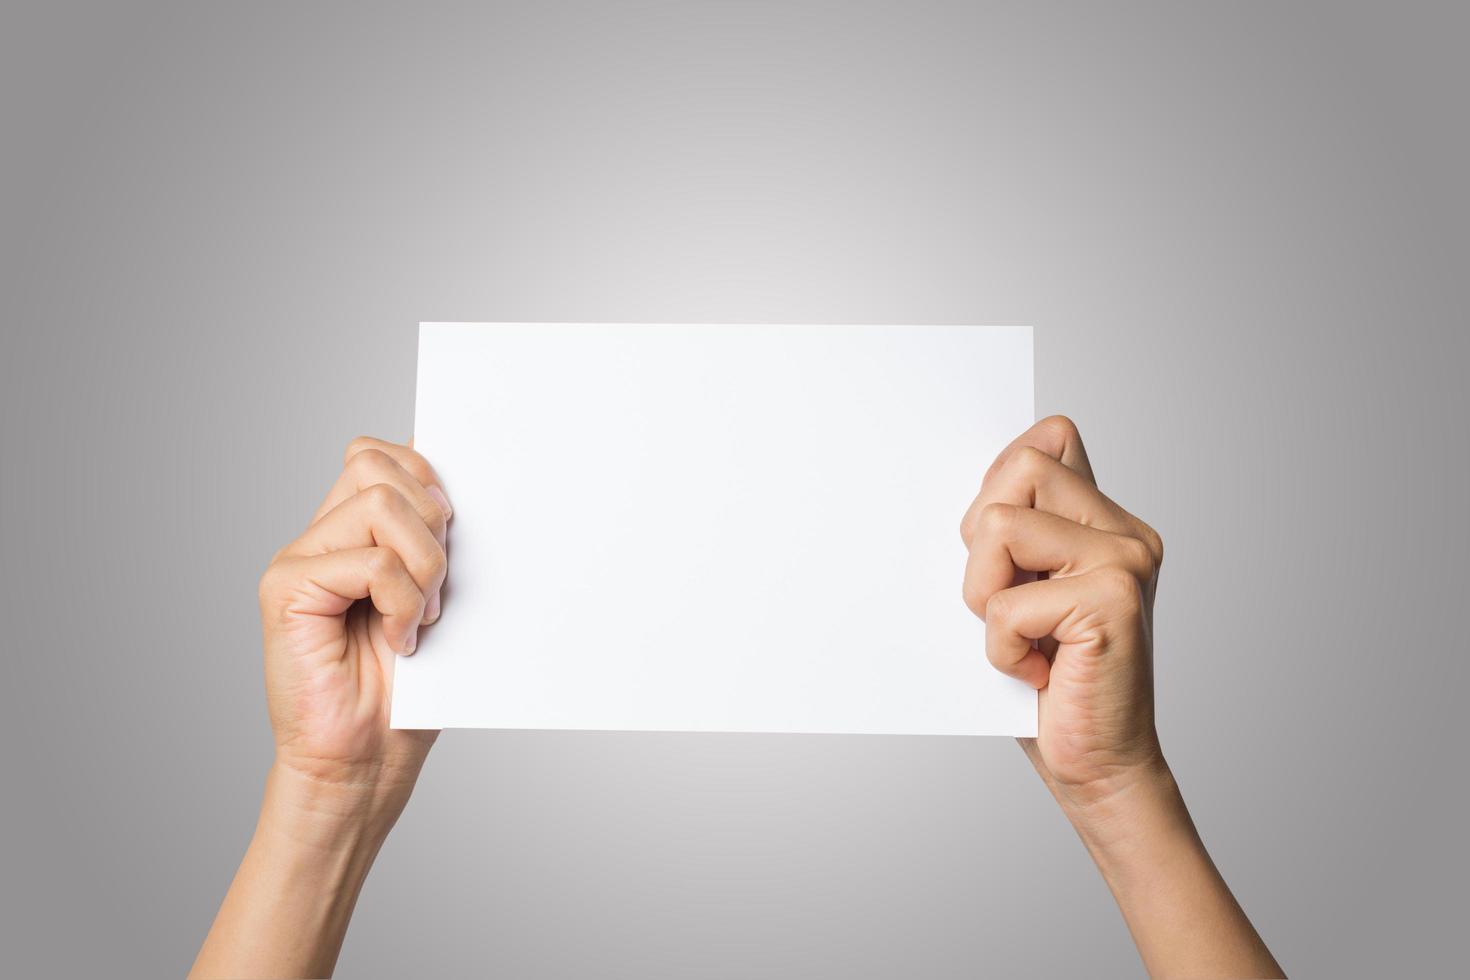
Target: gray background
[1241,234]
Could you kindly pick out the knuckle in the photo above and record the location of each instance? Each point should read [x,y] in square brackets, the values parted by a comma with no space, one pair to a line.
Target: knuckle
[270,582]
[436,562]
[382,562]
[1118,589]
[1155,543]
[436,520]
[1138,557]
[368,459]
[418,466]
[412,457]
[967,526]
[382,498]
[357,445]
[1028,462]
[416,600]
[999,608]
[275,582]
[975,598]
[1060,426]
[997,518]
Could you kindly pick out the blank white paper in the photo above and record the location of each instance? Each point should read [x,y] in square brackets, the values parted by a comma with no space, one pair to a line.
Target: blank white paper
[690,527]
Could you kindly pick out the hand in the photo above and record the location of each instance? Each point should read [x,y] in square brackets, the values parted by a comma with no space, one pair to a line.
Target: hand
[1082,636]
[337,605]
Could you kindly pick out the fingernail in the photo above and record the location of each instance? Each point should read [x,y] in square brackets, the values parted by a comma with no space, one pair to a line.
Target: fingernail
[431,608]
[442,501]
[411,641]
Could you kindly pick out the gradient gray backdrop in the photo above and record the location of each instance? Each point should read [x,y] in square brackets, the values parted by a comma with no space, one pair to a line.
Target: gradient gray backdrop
[1240,232]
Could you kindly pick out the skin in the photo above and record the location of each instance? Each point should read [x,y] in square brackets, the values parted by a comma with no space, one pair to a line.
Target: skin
[1063,577]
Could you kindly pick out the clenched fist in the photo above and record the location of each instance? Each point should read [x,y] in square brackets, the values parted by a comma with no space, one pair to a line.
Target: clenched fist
[339,603]
[1064,579]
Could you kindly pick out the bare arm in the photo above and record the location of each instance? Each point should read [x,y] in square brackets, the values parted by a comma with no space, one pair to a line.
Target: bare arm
[344,599]
[1184,920]
[337,606]
[1064,579]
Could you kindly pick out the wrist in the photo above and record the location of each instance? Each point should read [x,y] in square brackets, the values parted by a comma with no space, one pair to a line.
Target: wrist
[1177,906]
[289,905]
[1134,823]
[329,816]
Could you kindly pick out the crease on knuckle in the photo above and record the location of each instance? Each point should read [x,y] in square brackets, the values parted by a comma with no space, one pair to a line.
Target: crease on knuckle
[1138,558]
[999,608]
[1118,591]
[1028,464]
[381,562]
[383,498]
[997,519]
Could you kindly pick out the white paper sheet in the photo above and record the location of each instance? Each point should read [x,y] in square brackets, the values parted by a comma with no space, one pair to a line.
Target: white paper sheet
[713,527]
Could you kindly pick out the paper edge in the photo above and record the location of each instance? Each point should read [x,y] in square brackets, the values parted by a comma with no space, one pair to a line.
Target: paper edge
[394,709]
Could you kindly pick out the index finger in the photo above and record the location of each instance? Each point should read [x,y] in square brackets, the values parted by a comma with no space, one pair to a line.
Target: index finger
[405,456]
[1057,436]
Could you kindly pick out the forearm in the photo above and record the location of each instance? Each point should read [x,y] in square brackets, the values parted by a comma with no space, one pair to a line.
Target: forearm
[1183,917]
[288,908]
